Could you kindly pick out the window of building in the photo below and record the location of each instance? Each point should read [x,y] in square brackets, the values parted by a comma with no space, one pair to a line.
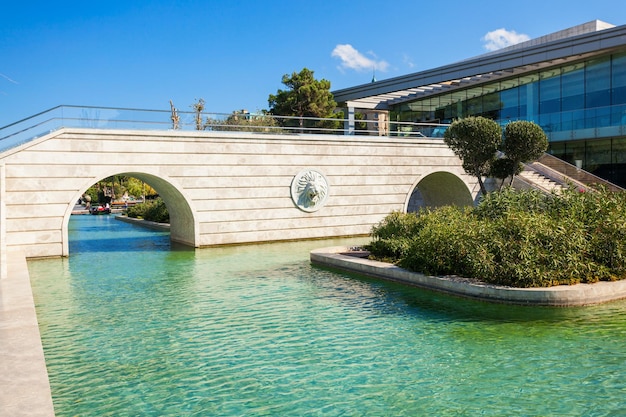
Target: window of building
[598,154]
[618,79]
[589,94]
[491,101]
[618,90]
[573,87]
[529,97]
[575,153]
[550,100]
[557,149]
[509,97]
[598,92]
[619,152]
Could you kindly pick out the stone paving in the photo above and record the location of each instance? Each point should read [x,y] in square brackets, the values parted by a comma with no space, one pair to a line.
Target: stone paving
[24,387]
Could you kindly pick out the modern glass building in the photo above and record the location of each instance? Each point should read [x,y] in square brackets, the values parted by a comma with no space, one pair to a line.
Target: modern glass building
[572,83]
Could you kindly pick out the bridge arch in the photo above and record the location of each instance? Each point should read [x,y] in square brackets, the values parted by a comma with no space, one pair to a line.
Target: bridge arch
[439,188]
[183,224]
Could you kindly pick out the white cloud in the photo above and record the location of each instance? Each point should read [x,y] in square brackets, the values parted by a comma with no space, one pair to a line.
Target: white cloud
[501,38]
[353,59]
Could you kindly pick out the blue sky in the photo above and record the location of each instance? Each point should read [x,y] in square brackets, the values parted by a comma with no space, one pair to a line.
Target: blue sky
[233,54]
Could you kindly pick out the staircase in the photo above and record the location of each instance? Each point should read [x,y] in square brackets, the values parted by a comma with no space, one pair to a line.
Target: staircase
[538,180]
[550,174]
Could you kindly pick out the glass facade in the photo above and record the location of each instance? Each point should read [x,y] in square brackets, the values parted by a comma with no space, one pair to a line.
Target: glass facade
[580,106]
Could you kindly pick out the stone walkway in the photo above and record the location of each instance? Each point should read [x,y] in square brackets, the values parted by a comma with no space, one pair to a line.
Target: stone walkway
[24,387]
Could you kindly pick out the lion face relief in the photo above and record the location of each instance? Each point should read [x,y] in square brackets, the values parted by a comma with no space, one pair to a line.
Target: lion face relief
[309,190]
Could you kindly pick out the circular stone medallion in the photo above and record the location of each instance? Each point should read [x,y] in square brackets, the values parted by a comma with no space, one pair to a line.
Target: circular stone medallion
[309,190]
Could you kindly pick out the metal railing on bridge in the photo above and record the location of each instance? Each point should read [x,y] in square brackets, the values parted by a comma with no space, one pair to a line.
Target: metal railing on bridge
[67,116]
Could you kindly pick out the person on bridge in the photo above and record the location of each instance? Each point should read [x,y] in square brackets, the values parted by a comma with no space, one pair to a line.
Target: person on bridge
[87,200]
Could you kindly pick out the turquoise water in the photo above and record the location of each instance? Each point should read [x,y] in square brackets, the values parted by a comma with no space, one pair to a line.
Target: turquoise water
[132,327]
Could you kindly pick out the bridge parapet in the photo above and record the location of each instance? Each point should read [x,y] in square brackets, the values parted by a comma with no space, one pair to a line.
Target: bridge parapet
[86,117]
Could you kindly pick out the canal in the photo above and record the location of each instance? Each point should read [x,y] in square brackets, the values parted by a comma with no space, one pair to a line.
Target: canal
[133,326]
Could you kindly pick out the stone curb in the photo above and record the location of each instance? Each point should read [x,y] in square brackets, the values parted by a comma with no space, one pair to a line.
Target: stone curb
[561,296]
[24,386]
[144,223]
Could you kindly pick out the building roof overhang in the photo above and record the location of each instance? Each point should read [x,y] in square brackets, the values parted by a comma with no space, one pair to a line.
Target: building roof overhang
[503,64]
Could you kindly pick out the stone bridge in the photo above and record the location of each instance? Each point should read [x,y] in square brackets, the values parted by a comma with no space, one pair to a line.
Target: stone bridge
[224,188]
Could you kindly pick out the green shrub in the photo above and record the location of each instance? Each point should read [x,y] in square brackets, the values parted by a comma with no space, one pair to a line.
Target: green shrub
[397,224]
[153,210]
[393,236]
[514,238]
[499,204]
[535,250]
[444,245]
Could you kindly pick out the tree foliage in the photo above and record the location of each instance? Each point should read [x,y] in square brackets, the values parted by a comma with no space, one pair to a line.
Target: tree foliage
[241,120]
[503,168]
[524,141]
[304,97]
[152,210]
[137,188]
[115,187]
[475,140]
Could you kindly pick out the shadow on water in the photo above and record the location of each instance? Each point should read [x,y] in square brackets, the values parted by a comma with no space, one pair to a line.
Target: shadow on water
[106,234]
[446,307]
[159,243]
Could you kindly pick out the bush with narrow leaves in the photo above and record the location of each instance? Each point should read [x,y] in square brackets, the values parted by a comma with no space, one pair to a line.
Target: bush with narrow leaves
[152,210]
[514,238]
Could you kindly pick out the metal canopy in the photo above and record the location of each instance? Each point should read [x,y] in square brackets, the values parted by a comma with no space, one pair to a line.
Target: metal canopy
[507,63]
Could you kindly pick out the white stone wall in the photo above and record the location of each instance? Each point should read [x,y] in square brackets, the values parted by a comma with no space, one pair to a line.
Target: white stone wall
[220,187]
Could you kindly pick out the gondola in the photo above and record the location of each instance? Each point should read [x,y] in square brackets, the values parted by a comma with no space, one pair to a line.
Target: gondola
[100,210]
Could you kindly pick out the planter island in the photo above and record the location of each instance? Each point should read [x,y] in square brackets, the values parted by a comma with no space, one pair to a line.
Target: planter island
[351,260]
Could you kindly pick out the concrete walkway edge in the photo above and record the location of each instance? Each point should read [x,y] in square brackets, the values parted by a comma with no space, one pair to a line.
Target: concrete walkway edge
[24,386]
[144,223]
[561,296]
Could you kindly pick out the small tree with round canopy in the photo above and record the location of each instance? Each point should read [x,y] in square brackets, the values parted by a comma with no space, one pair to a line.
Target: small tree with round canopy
[524,141]
[475,140]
